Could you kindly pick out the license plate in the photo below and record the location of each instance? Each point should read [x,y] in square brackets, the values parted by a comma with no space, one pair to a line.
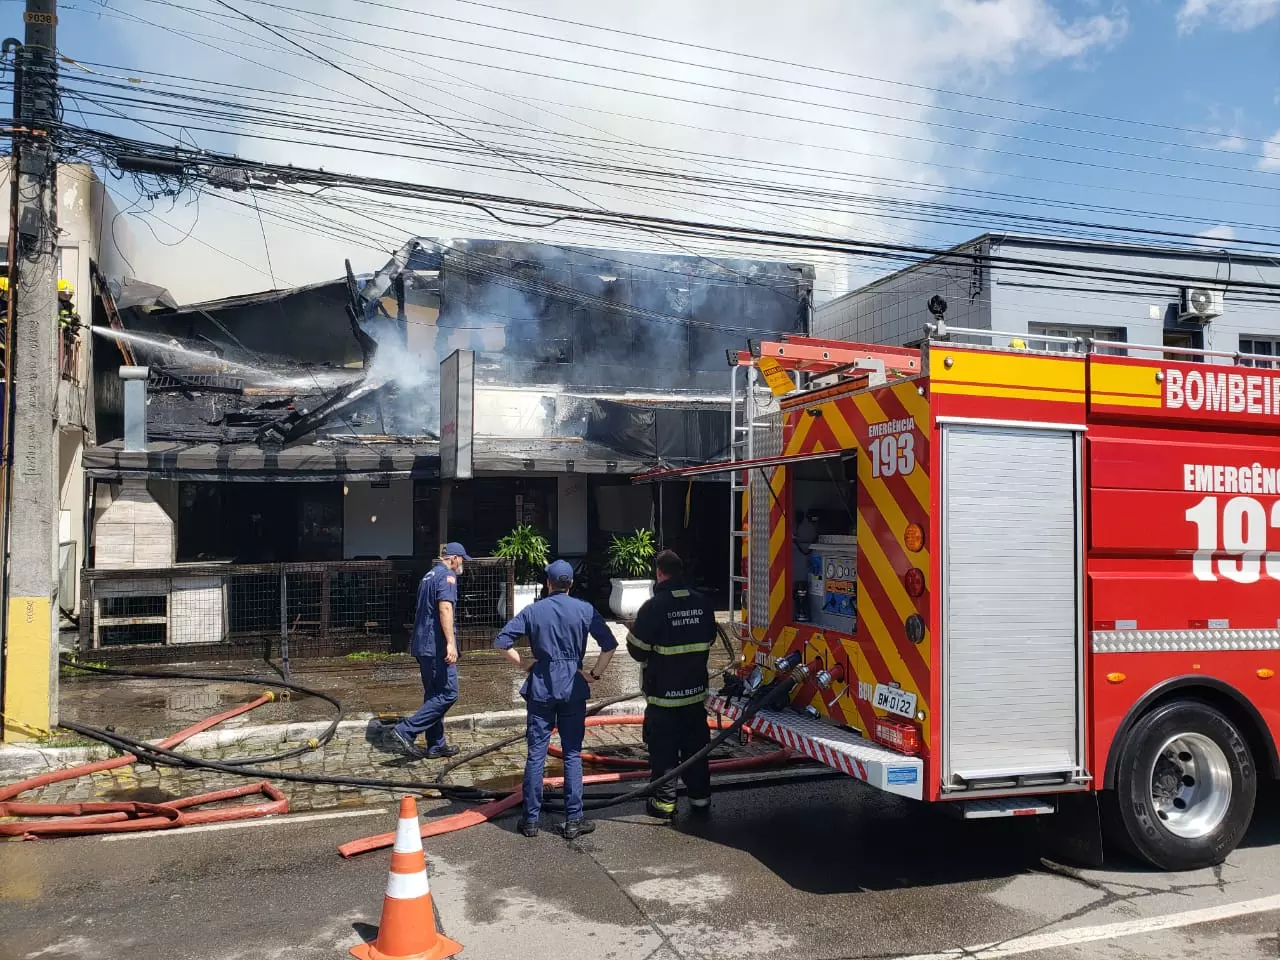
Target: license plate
[895,700]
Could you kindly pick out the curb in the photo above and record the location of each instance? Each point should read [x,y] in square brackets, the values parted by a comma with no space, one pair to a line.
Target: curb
[18,762]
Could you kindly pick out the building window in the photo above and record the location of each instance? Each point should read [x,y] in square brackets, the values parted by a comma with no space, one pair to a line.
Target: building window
[1112,334]
[1265,346]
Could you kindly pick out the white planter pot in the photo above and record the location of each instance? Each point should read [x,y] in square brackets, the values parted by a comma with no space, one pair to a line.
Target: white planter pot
[526,593]
[627,596]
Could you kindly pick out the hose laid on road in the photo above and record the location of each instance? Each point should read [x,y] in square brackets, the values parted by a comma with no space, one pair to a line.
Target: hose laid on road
[159,755]
[325,736]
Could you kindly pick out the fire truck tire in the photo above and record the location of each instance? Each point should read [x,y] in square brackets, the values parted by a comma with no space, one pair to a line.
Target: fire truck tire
[1185,786]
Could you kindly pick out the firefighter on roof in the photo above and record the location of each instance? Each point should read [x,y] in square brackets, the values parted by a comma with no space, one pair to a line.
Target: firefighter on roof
[556,689]
[435,646]
[672,638]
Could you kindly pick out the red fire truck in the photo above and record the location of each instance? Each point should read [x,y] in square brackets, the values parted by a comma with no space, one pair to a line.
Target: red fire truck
[1017,581]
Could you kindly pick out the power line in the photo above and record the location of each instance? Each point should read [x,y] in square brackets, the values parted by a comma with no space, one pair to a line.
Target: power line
[934,141]
[985,98]
[273,176]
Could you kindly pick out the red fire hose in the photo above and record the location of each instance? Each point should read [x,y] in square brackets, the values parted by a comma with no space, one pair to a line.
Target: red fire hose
[84,769]
[117,817]
[494,808]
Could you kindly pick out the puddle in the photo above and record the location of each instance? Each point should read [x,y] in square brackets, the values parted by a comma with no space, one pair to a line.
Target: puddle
[139,795]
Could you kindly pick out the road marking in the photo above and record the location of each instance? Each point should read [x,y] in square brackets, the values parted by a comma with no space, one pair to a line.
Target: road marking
[1107,931]
[242,824]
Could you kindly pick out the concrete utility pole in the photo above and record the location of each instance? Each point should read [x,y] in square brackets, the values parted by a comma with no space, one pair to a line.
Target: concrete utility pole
[31,663]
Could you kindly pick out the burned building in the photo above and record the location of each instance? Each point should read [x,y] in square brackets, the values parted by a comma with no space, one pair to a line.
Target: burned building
[302,426]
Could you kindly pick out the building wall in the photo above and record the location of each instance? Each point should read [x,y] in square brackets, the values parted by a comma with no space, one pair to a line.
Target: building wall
[1144,309]
[377,521]
[894,310]
[1020,302]
[88,231]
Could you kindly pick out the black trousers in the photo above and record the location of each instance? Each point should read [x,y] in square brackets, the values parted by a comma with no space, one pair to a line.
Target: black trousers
[673,735]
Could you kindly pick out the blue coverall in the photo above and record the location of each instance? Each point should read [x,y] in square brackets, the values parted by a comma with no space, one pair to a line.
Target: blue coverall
[555,692]
[439,679]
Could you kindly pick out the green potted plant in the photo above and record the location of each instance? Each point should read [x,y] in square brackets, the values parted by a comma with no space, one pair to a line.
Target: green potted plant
[631,563]
[531,552]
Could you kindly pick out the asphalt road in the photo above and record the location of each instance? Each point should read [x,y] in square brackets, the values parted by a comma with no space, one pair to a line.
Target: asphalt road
[827,870]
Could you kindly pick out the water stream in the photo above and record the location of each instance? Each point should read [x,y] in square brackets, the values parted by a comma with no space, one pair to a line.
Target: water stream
[324,379]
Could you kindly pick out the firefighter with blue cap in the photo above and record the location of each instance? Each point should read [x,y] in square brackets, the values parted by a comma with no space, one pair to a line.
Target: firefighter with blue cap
[556,689]
[435,646]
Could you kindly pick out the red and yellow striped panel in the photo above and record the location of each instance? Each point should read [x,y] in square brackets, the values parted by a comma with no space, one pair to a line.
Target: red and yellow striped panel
[889,427]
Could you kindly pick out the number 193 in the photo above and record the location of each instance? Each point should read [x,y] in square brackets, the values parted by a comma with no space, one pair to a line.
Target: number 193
[1244,527]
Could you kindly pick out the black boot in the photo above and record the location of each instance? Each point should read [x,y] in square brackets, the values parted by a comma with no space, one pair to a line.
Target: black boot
[577,828]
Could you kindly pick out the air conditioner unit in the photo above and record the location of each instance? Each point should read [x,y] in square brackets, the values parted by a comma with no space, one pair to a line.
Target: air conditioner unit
[1201,304]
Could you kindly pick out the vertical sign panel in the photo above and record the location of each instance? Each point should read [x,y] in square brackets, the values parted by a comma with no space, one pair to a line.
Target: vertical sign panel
[457,414]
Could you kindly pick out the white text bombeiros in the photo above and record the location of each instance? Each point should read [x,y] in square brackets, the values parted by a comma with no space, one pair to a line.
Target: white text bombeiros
[1255,394]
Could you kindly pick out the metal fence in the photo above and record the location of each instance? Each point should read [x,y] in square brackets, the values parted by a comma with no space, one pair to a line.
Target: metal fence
[206,611]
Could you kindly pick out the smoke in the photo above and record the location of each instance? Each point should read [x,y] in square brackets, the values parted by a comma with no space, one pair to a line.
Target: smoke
[580,317]
[532,101]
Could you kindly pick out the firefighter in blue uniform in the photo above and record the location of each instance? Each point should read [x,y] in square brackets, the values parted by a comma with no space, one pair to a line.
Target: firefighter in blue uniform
[672,638]
[435,646]
[556,689]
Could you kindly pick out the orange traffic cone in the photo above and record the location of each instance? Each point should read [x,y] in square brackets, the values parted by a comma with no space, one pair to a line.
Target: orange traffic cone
[408,928]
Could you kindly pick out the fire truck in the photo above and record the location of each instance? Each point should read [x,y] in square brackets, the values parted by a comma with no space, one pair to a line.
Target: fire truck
[1016,578]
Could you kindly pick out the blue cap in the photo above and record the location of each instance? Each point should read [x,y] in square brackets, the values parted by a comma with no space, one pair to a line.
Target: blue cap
[560,571]
[454,549]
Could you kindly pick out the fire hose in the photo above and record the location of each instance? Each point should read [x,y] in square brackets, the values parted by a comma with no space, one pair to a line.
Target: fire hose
[163,754]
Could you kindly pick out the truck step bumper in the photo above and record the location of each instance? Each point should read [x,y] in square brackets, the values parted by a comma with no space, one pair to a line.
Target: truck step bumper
[837,747]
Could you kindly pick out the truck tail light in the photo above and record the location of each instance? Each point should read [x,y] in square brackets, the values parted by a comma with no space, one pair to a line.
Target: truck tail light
[913,538]
[900,735]
[913,579]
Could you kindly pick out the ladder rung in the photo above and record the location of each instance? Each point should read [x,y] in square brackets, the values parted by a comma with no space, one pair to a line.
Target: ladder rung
[738,533]
[736,579]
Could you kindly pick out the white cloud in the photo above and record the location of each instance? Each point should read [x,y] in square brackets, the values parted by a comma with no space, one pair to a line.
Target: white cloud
[942,43]
[1219,233]
[1270,159]
[1001,31]
[1233,143]
[1235,15]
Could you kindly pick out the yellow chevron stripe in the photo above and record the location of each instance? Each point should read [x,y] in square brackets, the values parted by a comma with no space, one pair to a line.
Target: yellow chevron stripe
[890,581]
[917,480]
[879,633]
[803,424]
[908,395]
[782,643]
[889,510]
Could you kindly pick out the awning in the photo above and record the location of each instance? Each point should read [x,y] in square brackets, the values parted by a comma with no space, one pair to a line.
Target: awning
[337,461]
[729,466]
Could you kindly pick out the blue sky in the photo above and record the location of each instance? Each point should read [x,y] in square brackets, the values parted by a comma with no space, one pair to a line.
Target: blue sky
[885,108]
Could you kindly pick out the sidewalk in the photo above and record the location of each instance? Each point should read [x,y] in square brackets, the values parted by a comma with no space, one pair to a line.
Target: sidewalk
[371,689]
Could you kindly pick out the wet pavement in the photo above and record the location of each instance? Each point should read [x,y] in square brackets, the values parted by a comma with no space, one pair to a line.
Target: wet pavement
[373,691]
[829,871]
[366,684]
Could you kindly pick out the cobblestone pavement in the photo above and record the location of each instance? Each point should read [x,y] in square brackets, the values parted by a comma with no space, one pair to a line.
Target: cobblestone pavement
[353,753]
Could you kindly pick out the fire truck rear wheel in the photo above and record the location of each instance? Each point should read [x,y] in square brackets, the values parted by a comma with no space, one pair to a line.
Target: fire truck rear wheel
[1185,786]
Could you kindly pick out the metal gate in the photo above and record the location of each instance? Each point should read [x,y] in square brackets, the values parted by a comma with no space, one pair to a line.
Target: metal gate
[1012,632]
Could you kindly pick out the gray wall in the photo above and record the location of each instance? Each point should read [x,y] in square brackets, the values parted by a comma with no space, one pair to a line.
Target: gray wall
[893,311]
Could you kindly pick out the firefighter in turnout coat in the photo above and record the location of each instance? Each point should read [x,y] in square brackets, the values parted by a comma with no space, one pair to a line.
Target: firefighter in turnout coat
[672,638]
